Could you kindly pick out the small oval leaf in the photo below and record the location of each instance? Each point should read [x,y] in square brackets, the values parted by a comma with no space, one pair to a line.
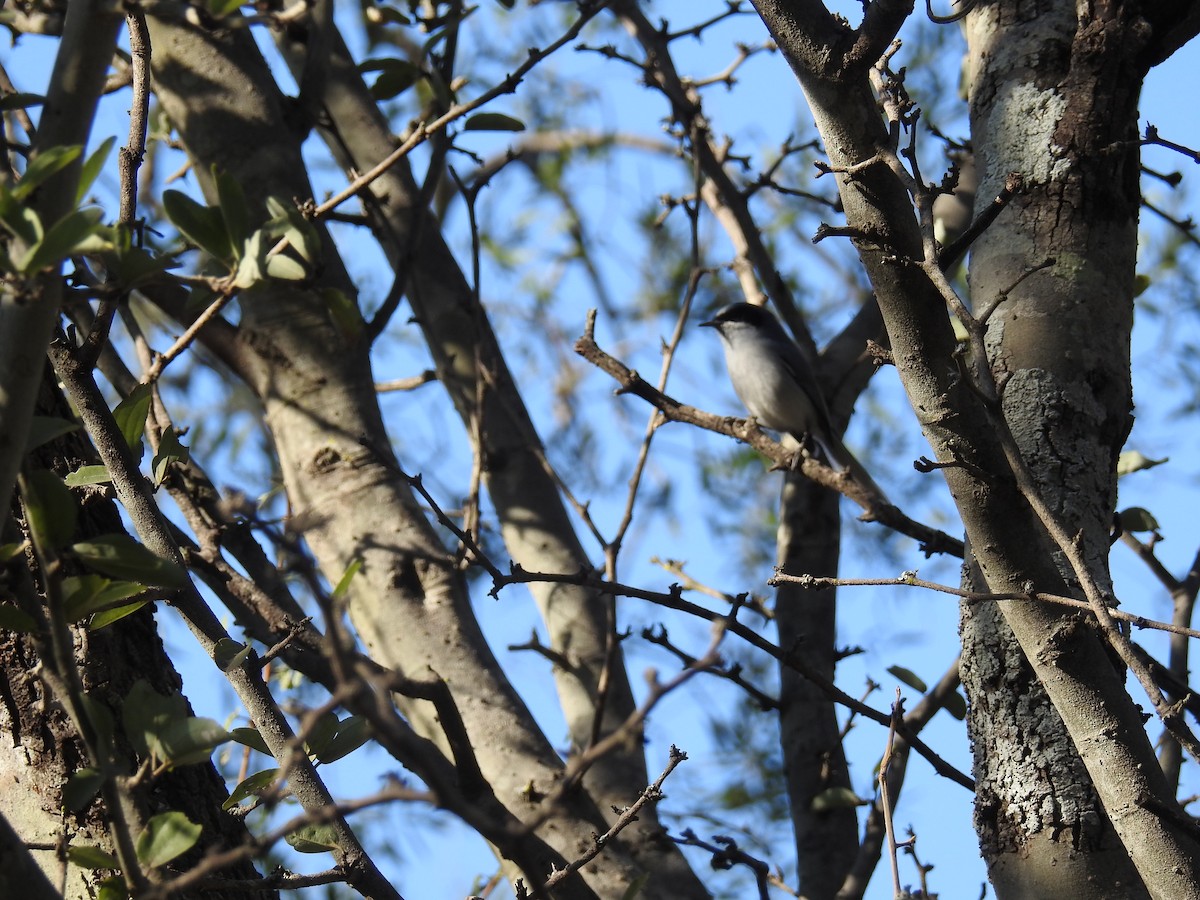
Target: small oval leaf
[228,654]
[1137,519]
[79,791]
[352,733]
[908,677]
[167,836]
[250,737]
[13,619]
[131,415]
[115,614]
[251,787]
[43,429]
[493,121]
[1134,461]
[120,556]
[956,705]
[202,225]
[87,475]
[49,508]
[89,857]
[313,839]
[191,741]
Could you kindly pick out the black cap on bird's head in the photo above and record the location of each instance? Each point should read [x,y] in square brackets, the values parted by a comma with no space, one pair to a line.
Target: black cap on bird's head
[744,314]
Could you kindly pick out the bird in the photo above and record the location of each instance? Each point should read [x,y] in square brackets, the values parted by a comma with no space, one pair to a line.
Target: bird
[776,383]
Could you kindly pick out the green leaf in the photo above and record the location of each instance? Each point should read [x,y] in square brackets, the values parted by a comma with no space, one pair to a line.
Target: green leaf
[956,705]
[235,212]
[285,268]
[908,677]
[321,734]
[43,166]
[342,588]
[120,556]
[288,222]
[20,220]
[9,552]
[1133,461]
[79,791]
[89,857]
[313,839]
[250,265]
[190,741]
[250,737]
[92,169]
[170,450]
[49,508]
[352,733]
[395,76]
[131,416]
[108,616]
[43,429]
[251,787]
[133,266]
[167,836]
[202,225]
[88,594]
[493,121]
[15,619]
[146,714]
[63,238]
[1137,519]
[88,475]
[113,889]
[835,798]
[228,654]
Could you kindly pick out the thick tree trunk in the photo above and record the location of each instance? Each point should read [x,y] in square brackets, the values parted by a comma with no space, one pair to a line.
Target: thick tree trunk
[1041,79]
[39,749]
[1080,130]
[814,760]
[409,602]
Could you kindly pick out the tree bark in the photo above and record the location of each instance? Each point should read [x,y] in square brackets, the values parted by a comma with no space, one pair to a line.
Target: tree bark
[1042,78]
[1011,545]
[814,760]
[40,749]
[409,603]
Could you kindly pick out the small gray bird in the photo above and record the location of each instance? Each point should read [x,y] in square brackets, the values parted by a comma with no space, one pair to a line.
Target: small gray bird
[775,382]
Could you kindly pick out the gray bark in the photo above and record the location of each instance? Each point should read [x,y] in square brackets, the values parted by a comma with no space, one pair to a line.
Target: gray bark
[537,530]
[1066,399]
[1011,545]
[814,760]
[409,603]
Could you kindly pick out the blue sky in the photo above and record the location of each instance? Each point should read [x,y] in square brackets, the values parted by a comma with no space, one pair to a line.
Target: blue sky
[894,626]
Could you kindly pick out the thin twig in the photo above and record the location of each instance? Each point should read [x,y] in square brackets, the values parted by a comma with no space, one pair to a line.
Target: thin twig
[652,794]
[189,335]
[909,579]
[885,800]
[422,131]
[932,540]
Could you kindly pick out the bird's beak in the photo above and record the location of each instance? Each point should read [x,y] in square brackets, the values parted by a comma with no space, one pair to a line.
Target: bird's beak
[709,324]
